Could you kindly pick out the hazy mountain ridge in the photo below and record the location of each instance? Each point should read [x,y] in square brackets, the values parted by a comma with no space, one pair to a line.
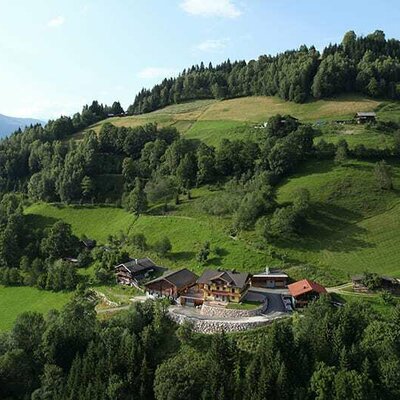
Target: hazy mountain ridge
[9,125]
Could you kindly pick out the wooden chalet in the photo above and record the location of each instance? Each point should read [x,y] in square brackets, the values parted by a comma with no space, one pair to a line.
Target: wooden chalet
[304,291]
[224,286]
[364,117]
[270,278]
[172,284]
[133,271]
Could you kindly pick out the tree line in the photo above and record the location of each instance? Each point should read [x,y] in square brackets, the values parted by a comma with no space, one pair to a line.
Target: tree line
[368,65]
[328,353]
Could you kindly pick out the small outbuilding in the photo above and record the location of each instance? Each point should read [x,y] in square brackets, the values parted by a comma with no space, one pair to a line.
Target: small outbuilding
[172,284]
[305,291]
[270,278]
[364,117]
[133,271]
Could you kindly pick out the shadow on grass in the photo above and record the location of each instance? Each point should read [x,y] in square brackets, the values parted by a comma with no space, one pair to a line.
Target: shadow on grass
[182,256]
[332,228]
[161,210]
[220,253]
[40,221]
[307,168]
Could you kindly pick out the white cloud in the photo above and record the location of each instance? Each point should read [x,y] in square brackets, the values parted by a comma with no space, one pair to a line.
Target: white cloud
[211,8]
[56,22]
[213,45]
[157,72]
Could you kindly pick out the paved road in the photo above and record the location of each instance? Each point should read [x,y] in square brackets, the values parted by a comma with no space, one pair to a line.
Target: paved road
[273,296]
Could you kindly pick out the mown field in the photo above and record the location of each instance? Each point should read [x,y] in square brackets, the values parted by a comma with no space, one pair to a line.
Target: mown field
[15,300]
[212,120]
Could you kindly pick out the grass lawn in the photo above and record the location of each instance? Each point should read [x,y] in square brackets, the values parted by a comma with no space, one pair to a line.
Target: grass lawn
[246,305]
[119,294]
[355,135]
[95,222]
[212,120]
[187,234]
[16,300]
[375,301]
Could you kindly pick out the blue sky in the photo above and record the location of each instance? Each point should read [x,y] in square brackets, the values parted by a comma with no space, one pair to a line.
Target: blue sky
[56,55]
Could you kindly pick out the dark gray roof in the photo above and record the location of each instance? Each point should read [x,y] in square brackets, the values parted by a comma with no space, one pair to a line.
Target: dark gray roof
[138,265]
[180,278]
[235,279]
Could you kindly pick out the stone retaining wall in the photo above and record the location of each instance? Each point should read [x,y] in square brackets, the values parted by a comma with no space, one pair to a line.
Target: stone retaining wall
[216,326]
[222,312]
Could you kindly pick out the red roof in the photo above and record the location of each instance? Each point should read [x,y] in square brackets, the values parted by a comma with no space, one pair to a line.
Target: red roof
[305,286]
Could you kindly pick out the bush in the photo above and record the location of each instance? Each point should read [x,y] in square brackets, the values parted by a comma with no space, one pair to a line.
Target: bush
[84,259]
[163,246]
[139,241]
[204,253]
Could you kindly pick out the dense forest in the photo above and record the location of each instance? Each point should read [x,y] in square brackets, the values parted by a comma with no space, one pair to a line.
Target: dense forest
[327,354]
[369,65]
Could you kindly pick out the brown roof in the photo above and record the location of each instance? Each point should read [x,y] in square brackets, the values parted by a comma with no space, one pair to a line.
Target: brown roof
[305,286]
[180,278]
[234,279]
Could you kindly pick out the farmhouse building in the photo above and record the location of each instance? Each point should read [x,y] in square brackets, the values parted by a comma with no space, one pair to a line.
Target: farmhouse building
[270,278]
[304,291]
[172,284]
[364,117]
[225,286]
[133,271]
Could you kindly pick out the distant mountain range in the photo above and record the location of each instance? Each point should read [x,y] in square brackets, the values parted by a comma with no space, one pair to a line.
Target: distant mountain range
[9,125]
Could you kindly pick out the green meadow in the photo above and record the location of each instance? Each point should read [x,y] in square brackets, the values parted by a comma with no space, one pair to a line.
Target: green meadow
[213,120]
[15,300]
[354,225]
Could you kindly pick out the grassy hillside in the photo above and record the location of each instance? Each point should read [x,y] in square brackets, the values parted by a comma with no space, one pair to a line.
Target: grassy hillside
[187,232]
[354,227]
[212,120]
[15,300]
[95,222]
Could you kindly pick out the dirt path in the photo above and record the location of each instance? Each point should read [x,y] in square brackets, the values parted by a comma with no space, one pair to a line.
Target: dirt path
[341,290]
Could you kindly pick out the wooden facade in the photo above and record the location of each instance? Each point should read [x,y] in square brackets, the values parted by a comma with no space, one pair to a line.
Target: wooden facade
[172,284]
[270,278]
[305,291]
[223,286]
[134,271]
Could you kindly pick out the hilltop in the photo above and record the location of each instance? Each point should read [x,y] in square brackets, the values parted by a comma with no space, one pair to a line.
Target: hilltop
[214,120]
